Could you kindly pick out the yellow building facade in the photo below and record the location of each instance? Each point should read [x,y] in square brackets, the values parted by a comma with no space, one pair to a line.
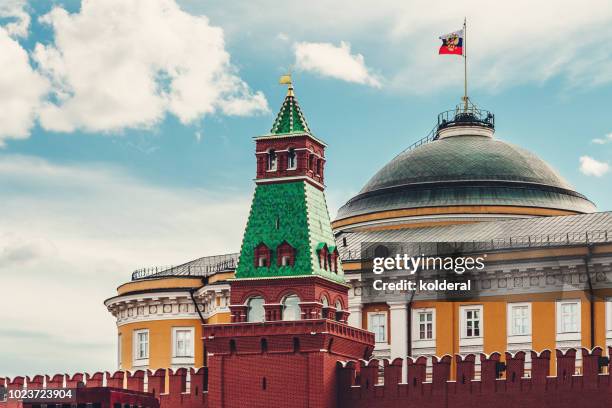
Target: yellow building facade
[160,312]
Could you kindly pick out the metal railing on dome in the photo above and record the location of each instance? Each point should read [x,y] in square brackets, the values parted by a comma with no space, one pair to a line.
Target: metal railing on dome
[201,267]
[456,117]
[461,117]
[514,242]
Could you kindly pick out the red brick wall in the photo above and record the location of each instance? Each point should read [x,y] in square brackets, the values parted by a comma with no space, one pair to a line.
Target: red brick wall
[358,386]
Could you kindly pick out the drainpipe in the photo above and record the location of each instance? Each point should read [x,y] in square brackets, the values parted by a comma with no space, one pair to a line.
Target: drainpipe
[587,260]
[195,304]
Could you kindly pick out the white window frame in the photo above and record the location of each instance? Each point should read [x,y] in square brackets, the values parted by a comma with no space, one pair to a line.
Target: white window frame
[568,335]
[386,320]
[417,342]
[517,338]
[472,341]
[140,361]
[186,360]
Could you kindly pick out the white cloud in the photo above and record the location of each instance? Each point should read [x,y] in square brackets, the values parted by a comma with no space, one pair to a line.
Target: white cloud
[334,61]
[15,11]
[21,90]
[119,64]
[519,42]
[604,140]
[96,225]
[591,167]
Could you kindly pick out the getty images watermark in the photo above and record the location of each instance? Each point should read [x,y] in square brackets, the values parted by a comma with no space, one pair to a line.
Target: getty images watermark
[417,265]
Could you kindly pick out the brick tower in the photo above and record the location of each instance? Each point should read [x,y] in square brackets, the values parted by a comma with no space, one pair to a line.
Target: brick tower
[288,300]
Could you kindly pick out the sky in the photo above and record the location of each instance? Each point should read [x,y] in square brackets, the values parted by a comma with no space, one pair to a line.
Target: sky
[126,128]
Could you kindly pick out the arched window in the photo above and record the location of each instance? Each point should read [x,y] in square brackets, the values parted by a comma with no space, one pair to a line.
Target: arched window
[381,251]
[338,305]
[272,160]
[291,159]
[291,308]
[319,162]
[311,160]
[324,301]
[256,312]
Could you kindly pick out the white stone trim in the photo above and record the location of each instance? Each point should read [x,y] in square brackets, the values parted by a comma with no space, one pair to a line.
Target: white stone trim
[290,178]
[152,306]
[466,131]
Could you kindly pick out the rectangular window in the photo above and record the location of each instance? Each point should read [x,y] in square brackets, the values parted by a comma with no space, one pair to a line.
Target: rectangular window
[377,323]
[425,325]
[519,319]
[471,321]
[141,344]
[568,317]
[183,342]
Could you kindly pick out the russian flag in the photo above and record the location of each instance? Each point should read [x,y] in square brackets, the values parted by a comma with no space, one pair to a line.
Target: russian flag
[452,43]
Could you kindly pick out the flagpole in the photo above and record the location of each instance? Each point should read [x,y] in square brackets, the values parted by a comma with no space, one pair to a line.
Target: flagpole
[465,94]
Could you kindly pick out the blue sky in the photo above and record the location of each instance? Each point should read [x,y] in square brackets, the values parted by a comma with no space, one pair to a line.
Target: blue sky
[126,127]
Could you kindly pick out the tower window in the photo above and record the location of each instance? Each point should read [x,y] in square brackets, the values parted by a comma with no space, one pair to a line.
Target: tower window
[277,222]
[291,159]
[324,301]
[285,254]
[262,256]
[334,260]
[291,308]
[271,160]
[256,312]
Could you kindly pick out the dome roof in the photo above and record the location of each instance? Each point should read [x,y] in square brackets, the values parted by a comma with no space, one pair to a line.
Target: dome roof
[466,168]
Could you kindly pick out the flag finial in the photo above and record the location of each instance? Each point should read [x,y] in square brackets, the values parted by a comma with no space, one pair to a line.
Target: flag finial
[287,80]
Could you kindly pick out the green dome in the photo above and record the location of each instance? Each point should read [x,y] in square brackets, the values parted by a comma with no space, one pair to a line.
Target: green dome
[466,170]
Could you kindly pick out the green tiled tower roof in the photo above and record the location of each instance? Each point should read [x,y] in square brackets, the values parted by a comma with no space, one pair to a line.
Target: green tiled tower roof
[290,118]
[294,212]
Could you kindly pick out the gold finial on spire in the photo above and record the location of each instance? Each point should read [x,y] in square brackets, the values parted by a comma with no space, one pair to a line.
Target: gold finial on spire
[287,80]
